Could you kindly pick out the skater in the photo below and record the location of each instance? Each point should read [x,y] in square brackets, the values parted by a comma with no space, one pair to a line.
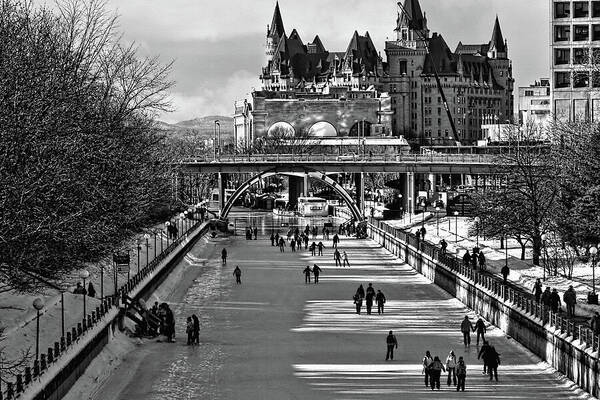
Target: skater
[337,257]
[357,301]
[435,371]
[281,244]
[427,361]
[224,256]
[345,257]
[466,327]
[537,290]
[272,240]
[481,330]
[554,301]
[237,272]
[196,321]
[492,359]
[482,351]
[451,368]
[255,231]
[461,374]
[380,300]
[316,272]
[189,329]
[336,240]
[320,246]
[293,245]
[305,242]
[570,299]
[369,297]
[392,343]
[307,272]
[313,248]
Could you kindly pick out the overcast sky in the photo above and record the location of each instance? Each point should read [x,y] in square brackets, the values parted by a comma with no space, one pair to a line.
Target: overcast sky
[218,46]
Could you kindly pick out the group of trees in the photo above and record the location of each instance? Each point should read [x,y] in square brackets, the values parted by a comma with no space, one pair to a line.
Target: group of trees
[550,193]
[82,163]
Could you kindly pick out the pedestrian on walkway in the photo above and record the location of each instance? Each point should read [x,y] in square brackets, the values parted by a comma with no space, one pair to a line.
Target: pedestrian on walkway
[492,359]
[554,301]
[224,256]
[505,271]
[380,300]
[423,232]
[307,272]
[427,361]
[361,291]
[237,272]
[91,291]
[345,257]
[272,239]
[337,257]
[316,272]
[466,258]
[546,297]
[169,323]
[481,330]
[418,234]
[435,371]
[277,239]
[474,259]
[305,242]
[481,259]
[466,328]
[313,248]
[357,301]
[480,355]
[79,289]
[392,343]
[570,299]
[537,290]
[444,246]
[320,246]
[461,374]
[451,368]
[293,245]
[281,245]
[255,231]
[196,321]
[336,240]
[189,329]
[369,297]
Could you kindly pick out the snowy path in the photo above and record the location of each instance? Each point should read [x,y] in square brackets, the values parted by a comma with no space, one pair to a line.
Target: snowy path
[274,337]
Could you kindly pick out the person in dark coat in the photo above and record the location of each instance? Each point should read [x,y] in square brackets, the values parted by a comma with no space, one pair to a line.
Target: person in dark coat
[492,359]
[595,323]
[380,300]
[316,272]
[480,329]
[293,245]
[357,302]
[369,297]
[196,338]
[169,323]
[255,231]
[272,239]
[484,348]
[546,297]
[435,371]
[481,258]
[361,291]
[461,374]
[281,244]
[505,271]
[570,299]
[392,343]
[537,290]
[313,248]
[320,247]
[307,272]
[466,258]
[466,327]
[337,257]
[237,272]
[423,232]
[336,240]
[79,289]
[554,301]
[444,246]
[91,291]
[224,256]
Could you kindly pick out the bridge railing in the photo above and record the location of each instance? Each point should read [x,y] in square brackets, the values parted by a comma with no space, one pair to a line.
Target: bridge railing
[350,158]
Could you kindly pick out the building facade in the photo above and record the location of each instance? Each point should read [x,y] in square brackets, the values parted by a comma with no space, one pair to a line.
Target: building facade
[534,103]
[398,96]
[575,59]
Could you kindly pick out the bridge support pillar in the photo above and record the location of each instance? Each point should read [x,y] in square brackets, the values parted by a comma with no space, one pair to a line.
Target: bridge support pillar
[410,192]
[306,185]
[359,182]
[222,182]
[296,188]
[432,186]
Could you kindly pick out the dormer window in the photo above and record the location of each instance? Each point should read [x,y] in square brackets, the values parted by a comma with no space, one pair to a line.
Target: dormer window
[404,33]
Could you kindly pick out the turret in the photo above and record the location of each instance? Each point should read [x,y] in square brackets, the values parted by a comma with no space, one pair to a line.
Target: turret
[411,24]
[498,48]
[275,32]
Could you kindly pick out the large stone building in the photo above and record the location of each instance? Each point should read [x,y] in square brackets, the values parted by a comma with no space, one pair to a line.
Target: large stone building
[357,93]
[575,63]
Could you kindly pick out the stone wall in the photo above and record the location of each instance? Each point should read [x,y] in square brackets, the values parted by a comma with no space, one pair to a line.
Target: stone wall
[571,350]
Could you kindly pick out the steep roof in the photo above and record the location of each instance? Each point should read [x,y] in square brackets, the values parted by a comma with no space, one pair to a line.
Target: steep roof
[497,43]
[441,56]
[472,49]
[276,27]
[362,52]
[412,16]
[318,45]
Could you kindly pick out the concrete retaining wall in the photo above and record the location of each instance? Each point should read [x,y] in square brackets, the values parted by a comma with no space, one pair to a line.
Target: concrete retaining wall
[570,350]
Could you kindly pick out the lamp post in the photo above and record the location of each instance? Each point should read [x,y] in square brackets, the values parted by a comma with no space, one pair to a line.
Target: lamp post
[183,224]
[215,140]
[477,221]
[138,248]
[154,233]
[505,246]
[147,237]
[544,237]
[424,205]
[455,226]
[592,297]
[437,219]
[167,224]
[84,274]
[38,304]
[218,138]
[62,311]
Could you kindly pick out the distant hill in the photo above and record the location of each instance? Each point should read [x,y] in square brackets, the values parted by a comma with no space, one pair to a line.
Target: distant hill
[203,126]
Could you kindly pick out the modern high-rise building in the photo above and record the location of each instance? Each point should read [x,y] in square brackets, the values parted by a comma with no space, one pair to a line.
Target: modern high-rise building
[362,93]
[575,59]
[534,103]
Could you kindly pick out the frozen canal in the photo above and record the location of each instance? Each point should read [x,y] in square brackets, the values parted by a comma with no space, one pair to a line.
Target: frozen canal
[274,337]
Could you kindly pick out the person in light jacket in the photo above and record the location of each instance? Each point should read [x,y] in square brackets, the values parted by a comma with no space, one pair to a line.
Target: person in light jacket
[451,367]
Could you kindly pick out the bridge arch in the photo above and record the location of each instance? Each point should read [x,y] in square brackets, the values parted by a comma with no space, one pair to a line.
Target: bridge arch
[322,129]
[312,173]
[281,129]
[360,128]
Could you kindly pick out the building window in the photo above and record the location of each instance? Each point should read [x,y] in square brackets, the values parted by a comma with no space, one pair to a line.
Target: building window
[562,33]
[596,79]
[562,10]
[581,79]
[595,32]
[562,79]
[580,9]
[580,56]
[528,93]
[595,9]
[581,33]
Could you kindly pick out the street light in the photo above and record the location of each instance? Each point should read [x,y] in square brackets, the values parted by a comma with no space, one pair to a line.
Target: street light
[154,233]
[138,254]
[437,218]
[38,304]
[167,224]
[455,226]
[215,141]
[593,299]
[183,224]
[544,237]
[505,246]
[424,205]
[477,221]
[400,206]
[84,274]
[147,237]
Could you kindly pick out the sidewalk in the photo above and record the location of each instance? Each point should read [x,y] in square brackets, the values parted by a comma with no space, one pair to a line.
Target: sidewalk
[522,272]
